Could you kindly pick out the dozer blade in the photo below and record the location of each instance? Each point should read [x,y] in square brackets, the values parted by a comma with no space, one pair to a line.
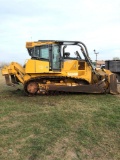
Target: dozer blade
[92,88]
[113,84]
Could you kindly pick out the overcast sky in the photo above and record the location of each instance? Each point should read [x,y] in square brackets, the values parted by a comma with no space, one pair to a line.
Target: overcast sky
[94,22]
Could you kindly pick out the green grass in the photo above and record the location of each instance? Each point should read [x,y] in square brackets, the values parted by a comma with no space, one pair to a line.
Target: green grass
[63,127]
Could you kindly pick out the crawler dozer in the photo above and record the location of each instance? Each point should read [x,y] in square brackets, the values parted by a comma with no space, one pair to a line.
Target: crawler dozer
[59,66]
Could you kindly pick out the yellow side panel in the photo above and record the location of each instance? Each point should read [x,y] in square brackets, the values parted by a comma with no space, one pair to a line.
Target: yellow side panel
[70,65]
[36,66]
[30,66]
[88,73]
[42,66]
[78,70]
[80,73]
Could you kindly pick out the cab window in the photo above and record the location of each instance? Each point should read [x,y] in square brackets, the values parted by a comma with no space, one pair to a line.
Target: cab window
[44,52]
[56,57]
[41,52]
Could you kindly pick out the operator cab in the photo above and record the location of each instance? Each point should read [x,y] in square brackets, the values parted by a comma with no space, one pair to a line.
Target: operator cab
[49,53]
[56,52]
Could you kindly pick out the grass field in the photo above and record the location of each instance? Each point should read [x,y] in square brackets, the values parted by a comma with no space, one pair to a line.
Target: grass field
[63,127]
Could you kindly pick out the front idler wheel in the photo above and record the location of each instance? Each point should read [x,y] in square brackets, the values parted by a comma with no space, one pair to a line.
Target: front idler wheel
[31,88]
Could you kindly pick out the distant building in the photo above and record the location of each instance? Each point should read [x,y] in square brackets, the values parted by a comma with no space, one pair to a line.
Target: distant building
[100,63]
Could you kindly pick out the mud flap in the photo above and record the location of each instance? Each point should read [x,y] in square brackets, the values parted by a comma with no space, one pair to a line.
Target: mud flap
[113,84]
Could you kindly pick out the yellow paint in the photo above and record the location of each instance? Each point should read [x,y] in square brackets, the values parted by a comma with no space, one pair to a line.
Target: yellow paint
[42,66]
[33,44]
[70,65]
[30,66]
[71,69]
[36,66]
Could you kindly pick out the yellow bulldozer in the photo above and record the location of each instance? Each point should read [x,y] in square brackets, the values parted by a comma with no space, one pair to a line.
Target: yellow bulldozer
[58,67]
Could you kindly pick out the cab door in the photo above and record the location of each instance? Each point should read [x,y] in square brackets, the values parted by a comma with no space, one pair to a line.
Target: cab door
[56,55]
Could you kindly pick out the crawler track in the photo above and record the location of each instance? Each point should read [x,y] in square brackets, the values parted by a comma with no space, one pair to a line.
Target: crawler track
[39,85]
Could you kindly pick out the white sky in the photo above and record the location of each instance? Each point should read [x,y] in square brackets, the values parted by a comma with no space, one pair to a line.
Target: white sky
[94,22]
